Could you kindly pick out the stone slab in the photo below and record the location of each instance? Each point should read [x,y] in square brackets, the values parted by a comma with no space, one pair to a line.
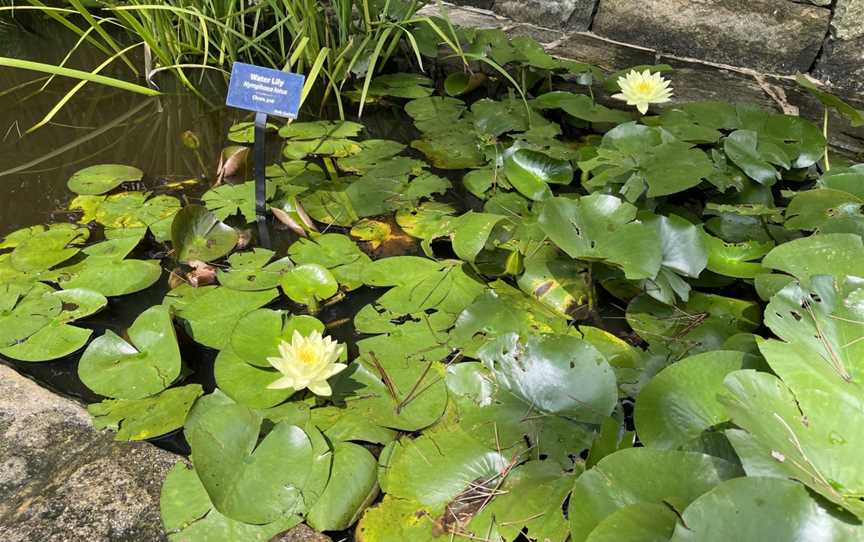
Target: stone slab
[848,20]
[842,64]
[63,481]
[570,14]
[767,35]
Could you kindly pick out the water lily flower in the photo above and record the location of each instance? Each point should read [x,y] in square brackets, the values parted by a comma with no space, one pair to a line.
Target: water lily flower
[307,362]
[642,89]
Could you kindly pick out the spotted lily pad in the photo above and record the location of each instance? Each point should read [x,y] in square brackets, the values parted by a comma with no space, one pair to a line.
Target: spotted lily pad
[130,210]
[95,180]
[40,248]
[250,271]
[230,199]
[143,366]
[35,318]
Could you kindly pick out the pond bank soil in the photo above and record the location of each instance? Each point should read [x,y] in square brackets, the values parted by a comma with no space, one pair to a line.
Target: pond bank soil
[63,480]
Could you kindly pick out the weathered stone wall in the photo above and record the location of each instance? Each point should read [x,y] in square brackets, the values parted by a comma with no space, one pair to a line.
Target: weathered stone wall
[824,38]
[730,50]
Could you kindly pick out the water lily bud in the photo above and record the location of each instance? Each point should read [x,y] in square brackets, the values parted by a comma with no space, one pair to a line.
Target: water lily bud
[190,140]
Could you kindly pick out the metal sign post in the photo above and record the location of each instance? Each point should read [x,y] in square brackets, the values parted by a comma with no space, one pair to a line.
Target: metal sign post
[266,92]
[259,156]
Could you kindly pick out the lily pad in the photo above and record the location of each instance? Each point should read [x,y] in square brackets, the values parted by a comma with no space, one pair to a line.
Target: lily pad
[642,475]
[34,320]
[197,234]
[337,252]
[139,419]
[247,384]
[253,271]
[530,172]
[353,486]
[210,313]
[251,481]
[145,365]
[188,514]
[326,138]
[130,210]
[258,334]
[680,402]
[95,180]
[308,284]
[754,509]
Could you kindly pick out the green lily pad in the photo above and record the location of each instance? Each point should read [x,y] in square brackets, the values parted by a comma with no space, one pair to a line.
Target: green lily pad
[396,519]
[230,199]
[253,271]
[197,234]
[754,509]
[188,514]
[401,85]
[211,313]
[681,401]
[580,106]
[327,138]
[140,419]
[95,180]
[244,132]
[45,247]
[736,259]
[258,334]
[251,481]
[34,320]
[145,365]
[824,254]
[603,227]
[642,475]
[555,281]
[539,371]
[337,252]
[530,172]
[128,210]
[308,284]
[247,384]
[532,498]
[435,468]
[353,486]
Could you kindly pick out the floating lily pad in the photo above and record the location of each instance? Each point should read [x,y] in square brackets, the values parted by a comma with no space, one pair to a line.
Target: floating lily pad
[247,384]
[35,318]
[328,138]
[41,248]
[210,313]
[143,366]
[753,509]
[197,234]
[130,210]
[308,284]
[251,271]
[353,486]
[530,172]
[337,252]
[188,514]
[258,334]
[139,419]
[642,475]
[95,180]
[230,199]
[251,481]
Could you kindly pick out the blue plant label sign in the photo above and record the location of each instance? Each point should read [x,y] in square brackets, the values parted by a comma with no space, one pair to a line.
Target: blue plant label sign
[265,90]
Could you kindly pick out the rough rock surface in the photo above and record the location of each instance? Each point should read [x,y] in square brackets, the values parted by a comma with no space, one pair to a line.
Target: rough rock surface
[302,533]
[848,20]
[573,14]
[63,481]
[771,36]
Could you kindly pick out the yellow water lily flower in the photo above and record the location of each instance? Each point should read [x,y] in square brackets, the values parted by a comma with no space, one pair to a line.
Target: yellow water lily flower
[307,362]
[642,89]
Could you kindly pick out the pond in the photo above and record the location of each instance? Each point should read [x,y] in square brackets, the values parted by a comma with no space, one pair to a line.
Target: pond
[490,311]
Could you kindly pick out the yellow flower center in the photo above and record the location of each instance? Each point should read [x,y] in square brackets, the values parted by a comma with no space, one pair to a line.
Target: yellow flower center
[307,355]
[644,87]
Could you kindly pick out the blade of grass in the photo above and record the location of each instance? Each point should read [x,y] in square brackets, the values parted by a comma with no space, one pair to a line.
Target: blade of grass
[76,74]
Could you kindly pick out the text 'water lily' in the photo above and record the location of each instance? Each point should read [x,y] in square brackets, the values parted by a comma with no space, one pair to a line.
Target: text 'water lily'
[307,362]
[642,89]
